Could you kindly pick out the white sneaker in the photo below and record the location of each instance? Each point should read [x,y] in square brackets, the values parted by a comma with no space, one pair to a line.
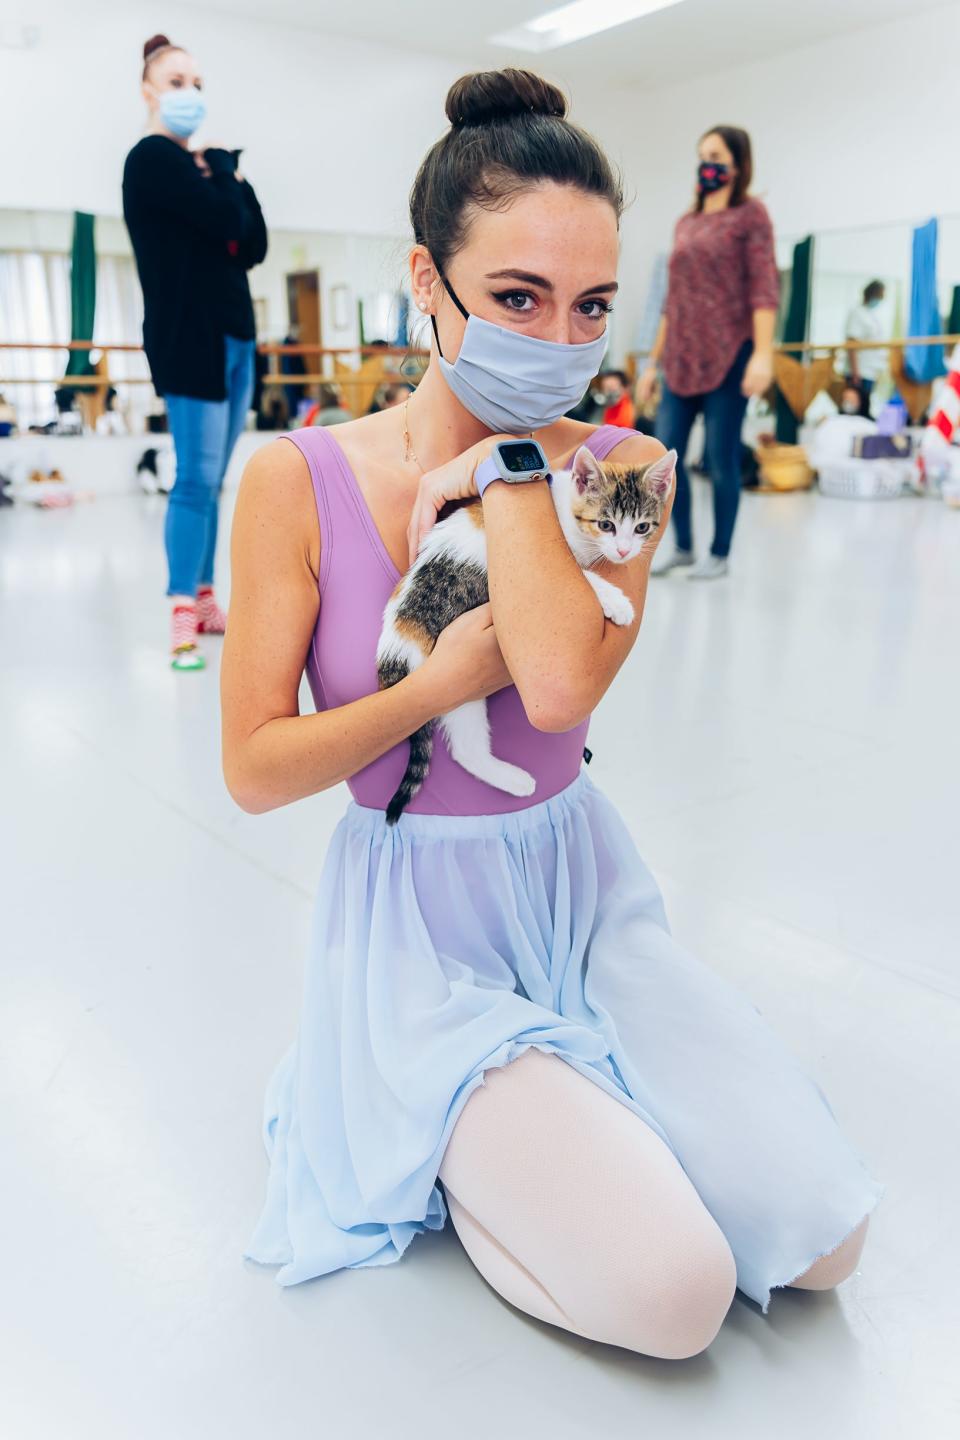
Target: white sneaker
[669,557]
[710,567]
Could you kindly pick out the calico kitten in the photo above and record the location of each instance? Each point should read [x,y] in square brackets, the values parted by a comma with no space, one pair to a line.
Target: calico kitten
[606,511]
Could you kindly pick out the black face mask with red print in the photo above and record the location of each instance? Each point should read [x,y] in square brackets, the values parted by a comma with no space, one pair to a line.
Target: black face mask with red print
[712,176]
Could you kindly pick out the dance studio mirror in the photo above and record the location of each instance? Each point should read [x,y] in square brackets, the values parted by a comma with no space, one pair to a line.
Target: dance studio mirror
[338,291]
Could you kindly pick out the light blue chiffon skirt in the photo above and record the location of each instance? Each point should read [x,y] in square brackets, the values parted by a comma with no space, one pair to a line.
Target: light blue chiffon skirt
[448,945]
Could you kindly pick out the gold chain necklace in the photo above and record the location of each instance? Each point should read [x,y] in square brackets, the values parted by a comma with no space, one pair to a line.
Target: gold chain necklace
[408,451]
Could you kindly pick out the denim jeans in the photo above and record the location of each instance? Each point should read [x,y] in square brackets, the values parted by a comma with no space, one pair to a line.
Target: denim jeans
[204,434]
[723,412]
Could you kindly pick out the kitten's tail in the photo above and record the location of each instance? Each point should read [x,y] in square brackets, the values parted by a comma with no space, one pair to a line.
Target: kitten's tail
[391,670]
[421,749]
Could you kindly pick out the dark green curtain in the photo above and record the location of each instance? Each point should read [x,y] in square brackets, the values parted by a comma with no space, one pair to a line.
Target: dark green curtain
[83,291]
[952,323]
[795,328]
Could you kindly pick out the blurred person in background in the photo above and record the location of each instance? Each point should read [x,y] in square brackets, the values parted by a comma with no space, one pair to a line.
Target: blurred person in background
[391,396]
[611,394]
[293,365]
[715,341]
[866,322]
[196,228]
[112,421]
[329,409]
[854,399]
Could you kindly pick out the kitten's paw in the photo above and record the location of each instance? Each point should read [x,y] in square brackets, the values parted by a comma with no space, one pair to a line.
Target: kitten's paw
[618,609]
[509,778]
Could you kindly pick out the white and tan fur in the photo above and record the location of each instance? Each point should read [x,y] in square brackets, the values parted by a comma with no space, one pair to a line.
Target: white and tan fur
[606,511]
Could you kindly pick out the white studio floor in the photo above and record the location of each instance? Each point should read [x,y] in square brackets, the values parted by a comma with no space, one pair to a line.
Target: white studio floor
[784,745]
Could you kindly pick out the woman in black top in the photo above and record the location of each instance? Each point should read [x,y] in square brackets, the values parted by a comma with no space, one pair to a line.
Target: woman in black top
[196,228]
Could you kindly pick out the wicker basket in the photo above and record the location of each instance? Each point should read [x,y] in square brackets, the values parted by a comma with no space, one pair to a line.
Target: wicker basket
[784,467]
[863,479]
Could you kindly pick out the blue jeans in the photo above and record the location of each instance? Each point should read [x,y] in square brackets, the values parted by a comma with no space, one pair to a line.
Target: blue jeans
[723,412]
[204,434]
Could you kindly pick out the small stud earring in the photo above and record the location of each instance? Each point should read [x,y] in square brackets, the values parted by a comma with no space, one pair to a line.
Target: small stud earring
[422,304]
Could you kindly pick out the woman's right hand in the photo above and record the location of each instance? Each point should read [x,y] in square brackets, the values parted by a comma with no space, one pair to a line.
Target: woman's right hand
[466,663]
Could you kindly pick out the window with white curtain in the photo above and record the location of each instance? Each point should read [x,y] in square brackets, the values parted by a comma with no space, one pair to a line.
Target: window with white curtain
[35,307]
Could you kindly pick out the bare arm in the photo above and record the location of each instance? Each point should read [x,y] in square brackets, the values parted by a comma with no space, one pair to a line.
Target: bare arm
[763,323]
[758,376]
[561,651]
[272,754]
[659,342]
[648,376]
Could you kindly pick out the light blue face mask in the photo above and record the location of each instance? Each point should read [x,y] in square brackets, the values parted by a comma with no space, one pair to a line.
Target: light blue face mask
[183,111]
[514,383]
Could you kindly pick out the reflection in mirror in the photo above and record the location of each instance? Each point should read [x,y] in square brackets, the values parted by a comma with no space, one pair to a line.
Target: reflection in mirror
[846,263]
[320,289]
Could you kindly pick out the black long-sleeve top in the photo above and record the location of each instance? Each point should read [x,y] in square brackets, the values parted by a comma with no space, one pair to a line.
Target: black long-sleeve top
[194,238]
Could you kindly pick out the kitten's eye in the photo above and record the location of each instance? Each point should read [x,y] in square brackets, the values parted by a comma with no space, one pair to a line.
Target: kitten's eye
[607,526]
[643,527]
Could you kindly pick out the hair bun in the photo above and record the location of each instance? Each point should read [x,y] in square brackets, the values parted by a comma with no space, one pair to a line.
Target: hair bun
[491,95]
[156,42]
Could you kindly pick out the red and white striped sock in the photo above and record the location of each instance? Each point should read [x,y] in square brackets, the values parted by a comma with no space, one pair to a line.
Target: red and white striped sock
[184,627]
[211,620]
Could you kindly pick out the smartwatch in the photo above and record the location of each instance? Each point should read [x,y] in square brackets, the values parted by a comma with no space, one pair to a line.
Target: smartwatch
[513,461]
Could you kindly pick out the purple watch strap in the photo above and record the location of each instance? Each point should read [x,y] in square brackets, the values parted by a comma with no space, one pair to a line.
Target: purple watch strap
[484,473]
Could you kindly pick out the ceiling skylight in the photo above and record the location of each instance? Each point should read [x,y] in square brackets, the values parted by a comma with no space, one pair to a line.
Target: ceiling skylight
[575,22]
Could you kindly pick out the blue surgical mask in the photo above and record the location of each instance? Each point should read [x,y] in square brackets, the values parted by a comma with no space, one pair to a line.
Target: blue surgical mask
[183,111]
[872,304]
[514,383]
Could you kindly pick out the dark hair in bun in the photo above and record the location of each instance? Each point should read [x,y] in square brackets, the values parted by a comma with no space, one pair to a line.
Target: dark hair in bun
[508,131]
[499,94]
[152,49]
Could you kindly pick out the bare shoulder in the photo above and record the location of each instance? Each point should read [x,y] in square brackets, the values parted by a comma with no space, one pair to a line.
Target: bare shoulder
[638,449]
[275,503]
[276,468]
[635,449]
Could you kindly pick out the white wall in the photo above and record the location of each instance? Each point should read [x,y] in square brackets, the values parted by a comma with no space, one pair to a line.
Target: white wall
[333,130]
[853,131]
[365,264]
[849,132]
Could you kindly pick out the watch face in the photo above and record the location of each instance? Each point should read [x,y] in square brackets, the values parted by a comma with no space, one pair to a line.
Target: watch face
[521,455]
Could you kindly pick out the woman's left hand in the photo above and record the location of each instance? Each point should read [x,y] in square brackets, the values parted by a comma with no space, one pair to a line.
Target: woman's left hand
[453,481]
[758,376]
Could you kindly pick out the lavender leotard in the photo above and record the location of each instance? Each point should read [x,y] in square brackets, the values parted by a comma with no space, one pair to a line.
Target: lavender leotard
[357,577]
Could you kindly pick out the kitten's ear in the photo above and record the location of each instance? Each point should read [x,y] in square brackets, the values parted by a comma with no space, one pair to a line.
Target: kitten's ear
[660,473]
[586,470]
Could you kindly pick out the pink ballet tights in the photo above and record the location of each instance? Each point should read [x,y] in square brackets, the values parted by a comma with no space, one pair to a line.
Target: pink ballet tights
[555,1190]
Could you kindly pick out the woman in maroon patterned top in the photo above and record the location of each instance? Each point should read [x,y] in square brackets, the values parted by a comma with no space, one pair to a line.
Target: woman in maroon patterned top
[715,342]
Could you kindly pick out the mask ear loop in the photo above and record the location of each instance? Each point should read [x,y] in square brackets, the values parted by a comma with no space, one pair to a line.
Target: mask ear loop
[456,300]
